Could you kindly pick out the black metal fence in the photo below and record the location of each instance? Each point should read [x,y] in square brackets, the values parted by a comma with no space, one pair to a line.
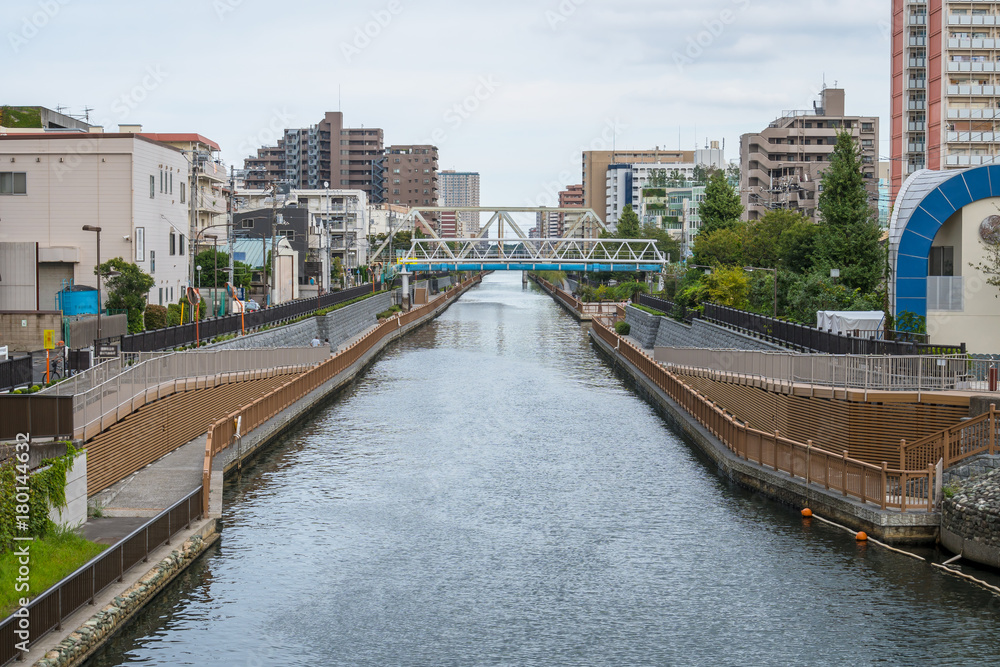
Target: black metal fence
[817,340]
[669,307]
[15,373]
[47,611]
[186,334]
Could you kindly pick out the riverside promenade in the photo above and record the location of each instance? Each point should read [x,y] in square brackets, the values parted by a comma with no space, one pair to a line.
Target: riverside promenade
[193,471]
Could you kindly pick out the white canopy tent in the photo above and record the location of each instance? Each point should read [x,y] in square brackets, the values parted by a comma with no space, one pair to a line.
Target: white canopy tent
[847,322]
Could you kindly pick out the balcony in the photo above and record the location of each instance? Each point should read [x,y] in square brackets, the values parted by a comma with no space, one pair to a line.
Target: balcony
[916,148]
[917,83]
[979,19]
[946,293]
[974,137]
[970,160]
[919,126]
[918,62]
[972,66]
[971,43]
[916,19]
[972,113]
[987,91]
[910,168]
[919,40]
[916,105]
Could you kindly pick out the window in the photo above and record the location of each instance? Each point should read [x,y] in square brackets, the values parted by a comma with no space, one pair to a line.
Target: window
[286,233]
[152,262]
[867,127]
[182,193]
[173,243]
[941,261]
[181,246]
[152,186]
[140,244]
[171,183]
[13,183]
[161,296]
[247,223]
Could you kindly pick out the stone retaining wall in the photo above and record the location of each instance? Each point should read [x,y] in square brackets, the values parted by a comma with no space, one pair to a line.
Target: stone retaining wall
[339,326]
[79,645]
[652,331]
[970,520]
[974,467]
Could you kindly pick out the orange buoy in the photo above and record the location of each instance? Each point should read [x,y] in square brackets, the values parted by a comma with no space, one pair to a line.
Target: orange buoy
[807,512]
[862,536]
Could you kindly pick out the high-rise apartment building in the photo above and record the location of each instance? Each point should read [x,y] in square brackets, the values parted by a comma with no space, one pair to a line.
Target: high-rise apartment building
[945,86]
[781,166]
[460,188]
[595,169]
[412,178]
[347,158]
[571,197]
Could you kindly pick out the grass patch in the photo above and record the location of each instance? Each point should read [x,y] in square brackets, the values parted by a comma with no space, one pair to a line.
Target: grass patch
[389,313]
[651,311]
[52,557]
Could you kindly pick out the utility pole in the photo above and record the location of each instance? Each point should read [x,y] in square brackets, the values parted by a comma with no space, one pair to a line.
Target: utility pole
[230,217]
[274,233]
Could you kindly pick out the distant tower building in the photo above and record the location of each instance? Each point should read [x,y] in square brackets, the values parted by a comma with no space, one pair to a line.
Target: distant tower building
[781,166]
[461,188]
[945,100]
[347,158]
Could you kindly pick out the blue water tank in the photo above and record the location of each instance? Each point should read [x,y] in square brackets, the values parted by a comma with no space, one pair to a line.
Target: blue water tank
[77,300]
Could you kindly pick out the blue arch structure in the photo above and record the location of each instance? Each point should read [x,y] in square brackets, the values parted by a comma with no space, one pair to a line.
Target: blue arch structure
[924,204]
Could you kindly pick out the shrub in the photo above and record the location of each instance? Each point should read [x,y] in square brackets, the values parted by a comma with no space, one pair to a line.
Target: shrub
[622,328]
[156,317]
[173,315]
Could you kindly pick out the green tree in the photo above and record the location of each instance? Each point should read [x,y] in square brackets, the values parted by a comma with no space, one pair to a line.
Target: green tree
[702,173]
[628,224]
[722,247]
[991,262]
[127,289]
[781,239]
[726,286]
[665,243]
[210,276]
[721,207]
[657,178]
[849,233]
[675,180]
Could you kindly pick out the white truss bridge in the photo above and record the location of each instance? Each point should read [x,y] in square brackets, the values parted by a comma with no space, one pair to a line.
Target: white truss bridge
[579,249]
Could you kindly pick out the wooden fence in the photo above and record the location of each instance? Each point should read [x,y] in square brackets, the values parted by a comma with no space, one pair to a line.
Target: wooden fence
[905,490]
[222,432]
[953,444]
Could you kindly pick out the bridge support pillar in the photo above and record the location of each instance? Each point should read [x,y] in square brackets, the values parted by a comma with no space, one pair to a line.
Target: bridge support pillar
[524,278]
[406,289]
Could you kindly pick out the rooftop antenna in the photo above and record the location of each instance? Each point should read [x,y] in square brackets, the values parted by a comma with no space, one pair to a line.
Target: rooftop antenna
[59,108]
[86,113]
[340,106]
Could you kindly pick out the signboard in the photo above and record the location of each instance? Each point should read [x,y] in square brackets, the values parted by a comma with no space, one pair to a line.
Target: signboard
[106,351]
[49,336]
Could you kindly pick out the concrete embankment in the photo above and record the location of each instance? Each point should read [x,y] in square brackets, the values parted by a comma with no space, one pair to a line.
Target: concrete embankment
[970,519]
[889,526]
[121,601]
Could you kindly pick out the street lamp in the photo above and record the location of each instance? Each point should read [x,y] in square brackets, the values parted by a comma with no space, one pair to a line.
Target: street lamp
[93,228]
[198,282]
[751,269]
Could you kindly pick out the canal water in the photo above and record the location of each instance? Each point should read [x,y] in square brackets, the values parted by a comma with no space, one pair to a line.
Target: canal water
[490,492]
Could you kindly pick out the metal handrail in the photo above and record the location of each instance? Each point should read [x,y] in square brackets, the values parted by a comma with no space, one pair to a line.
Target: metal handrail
[50,608]
[905,490]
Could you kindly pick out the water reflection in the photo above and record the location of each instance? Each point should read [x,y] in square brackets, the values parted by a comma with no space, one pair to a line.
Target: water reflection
[490,493]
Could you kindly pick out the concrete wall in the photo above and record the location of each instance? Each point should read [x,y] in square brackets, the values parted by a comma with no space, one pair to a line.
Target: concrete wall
[75,511]
[23,331]
[651,331]
[339,326]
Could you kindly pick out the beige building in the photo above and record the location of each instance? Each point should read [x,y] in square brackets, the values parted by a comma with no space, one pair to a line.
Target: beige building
[780,167]
[134,188]
[595,171]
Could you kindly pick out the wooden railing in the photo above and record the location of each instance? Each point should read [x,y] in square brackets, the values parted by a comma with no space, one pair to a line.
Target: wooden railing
[222,432]
[953,444]
[899,489]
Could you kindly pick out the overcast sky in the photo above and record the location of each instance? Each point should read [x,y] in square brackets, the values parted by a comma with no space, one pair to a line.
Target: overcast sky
[512,89]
